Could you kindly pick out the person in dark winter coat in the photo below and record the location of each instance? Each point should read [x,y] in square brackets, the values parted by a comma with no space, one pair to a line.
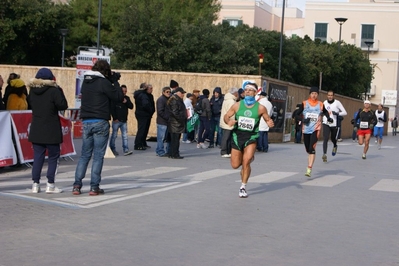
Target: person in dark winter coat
[216,103]
[145,108]
[46,98]
[119,112]
[177,121]
[100,87]
[297,118]
[205,118]
[2,105]
[162,122]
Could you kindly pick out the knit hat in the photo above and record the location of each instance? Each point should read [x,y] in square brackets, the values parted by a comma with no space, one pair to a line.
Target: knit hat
[240,91]
[218,90]
[314,89]
[44,73]
[17,83]
[205,92]
[173,83]
[367,101]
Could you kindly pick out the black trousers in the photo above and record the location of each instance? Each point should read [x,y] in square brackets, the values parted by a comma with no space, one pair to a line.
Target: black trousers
[174,144]
[143,125]
[225,145]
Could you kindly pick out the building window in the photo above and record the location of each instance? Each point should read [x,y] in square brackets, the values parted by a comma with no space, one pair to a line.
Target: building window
[233,22]
[367,34]
[320,31]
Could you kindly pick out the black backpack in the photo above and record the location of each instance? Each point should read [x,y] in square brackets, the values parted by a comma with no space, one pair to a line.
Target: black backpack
[198,107]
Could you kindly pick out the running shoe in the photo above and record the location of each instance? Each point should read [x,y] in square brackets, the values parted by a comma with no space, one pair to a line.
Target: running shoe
[324,157]
[126,153]
[308,172]
[364,156]
[242,193]
[226,155]
[334,150]
[203,146]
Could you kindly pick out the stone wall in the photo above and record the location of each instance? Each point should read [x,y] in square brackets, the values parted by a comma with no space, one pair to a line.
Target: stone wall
[66,78]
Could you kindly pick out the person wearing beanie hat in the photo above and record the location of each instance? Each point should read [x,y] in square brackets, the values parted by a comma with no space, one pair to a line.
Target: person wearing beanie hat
[173,84]
[17,95]
[46,99]
[311,111]
[241,94]
[245,116]
[367,120]
[216,103]
[44,73]
[203,108]
[332,130]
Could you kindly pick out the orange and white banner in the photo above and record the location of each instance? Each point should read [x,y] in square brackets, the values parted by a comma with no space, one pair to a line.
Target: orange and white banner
[8,156]
[21,121]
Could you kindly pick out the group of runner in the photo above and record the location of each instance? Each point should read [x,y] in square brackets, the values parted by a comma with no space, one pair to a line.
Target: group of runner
[245,116]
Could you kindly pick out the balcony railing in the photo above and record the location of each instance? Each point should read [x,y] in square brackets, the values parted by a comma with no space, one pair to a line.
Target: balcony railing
[361,43]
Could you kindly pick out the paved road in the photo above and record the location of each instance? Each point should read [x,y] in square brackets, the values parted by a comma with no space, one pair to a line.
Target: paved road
[159,211]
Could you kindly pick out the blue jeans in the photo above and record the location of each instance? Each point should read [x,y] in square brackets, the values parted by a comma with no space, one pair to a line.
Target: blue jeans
[215,123]
[161,136]
[203,131]
[95,138]
[263,141]
[115,127]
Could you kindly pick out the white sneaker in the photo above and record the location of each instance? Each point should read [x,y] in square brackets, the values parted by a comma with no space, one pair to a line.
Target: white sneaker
[203,146]
[242,193]
[51,188]
[35,188]
[226,155]
[186,141]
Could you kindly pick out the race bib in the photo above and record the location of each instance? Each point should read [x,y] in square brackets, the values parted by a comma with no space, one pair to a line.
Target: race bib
[313,117]
[246,123]
[364,124]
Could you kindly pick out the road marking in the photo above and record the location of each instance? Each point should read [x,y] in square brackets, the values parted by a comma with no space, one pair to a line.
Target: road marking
[327,181]
[150,172]
[270,177]
[388,185]
[211,174]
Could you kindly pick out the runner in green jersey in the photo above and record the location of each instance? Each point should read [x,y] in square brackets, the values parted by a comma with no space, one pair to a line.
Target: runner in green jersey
[245,116]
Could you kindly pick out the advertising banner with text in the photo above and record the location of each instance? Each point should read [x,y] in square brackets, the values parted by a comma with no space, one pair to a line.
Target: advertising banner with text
[8,156]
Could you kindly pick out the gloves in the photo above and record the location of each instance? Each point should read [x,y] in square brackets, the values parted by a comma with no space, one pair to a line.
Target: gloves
[355,129]
[381,119]
[335,113]
[371,126]
[330,120]
[306,120]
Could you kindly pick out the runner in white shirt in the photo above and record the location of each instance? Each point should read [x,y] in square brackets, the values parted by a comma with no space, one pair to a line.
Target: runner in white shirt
[330,130]
[379,127]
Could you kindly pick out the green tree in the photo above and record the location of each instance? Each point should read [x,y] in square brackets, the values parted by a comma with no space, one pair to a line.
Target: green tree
[29,32]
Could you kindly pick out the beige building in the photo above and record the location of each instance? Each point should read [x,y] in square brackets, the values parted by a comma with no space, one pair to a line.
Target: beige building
[368,21]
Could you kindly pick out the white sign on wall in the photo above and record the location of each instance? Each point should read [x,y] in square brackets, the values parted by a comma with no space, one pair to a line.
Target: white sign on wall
[84,62]
[389,97]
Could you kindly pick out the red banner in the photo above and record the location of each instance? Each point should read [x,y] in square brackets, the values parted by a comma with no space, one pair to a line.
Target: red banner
[21,121]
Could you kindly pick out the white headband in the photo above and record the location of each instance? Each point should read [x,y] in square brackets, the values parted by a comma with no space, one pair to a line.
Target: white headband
[249,86]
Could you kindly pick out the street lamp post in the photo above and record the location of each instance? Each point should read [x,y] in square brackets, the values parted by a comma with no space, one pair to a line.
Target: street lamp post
[340,22]
[63,32]
[281,41]
[368,43]
[99,26]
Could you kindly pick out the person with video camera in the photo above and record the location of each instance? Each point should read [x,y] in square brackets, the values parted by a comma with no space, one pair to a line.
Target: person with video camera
[100,87]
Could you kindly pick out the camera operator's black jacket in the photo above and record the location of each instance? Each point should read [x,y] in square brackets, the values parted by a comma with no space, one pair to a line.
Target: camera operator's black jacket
[119,110]
[97,95]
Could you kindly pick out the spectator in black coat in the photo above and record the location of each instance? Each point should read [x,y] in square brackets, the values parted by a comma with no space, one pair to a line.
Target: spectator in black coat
[177,121]
[46,99]
[145,108]
[119,112]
